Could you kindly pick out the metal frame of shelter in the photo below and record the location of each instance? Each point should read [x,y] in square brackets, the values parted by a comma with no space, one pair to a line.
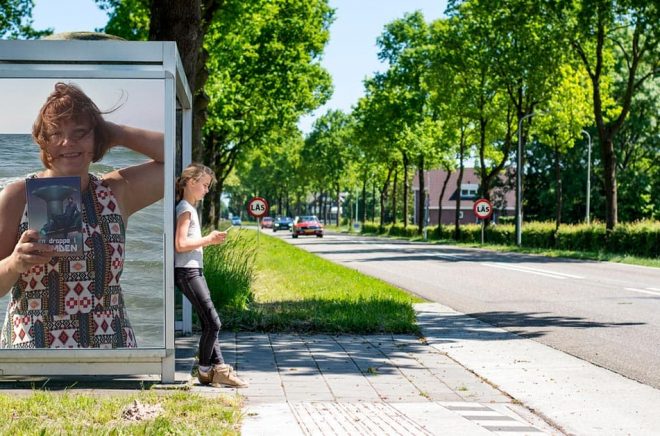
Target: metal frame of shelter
[110,60]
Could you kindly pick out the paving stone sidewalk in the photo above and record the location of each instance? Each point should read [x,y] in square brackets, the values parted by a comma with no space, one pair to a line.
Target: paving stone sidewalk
[365,385]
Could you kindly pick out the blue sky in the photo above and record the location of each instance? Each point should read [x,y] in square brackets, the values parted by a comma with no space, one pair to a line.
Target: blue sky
[350,56]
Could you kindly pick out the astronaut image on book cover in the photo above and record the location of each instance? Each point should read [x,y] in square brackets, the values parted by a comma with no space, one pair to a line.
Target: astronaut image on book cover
[54,209]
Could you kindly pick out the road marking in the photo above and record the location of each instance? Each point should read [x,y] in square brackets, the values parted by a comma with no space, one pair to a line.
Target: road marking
[654,289]
[538,271]
[643,291]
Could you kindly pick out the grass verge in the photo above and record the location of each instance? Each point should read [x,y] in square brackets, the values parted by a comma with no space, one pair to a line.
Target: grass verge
[68,413]
[296,291]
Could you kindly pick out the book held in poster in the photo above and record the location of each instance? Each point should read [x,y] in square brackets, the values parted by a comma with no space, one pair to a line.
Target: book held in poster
[54,210]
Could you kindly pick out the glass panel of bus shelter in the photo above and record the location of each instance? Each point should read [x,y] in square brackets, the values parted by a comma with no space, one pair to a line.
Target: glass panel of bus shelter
[134,102]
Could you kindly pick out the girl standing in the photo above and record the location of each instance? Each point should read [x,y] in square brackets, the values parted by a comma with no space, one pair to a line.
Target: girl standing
[191,187]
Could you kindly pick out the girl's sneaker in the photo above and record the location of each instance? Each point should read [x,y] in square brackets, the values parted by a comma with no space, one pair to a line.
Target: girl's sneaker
[205,377]
[224,375]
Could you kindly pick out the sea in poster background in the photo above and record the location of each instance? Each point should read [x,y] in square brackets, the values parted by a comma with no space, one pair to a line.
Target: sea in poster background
[142,279]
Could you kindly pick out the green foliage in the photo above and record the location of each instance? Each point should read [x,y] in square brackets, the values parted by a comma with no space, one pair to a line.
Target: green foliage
[128,19]
[264,73]
[16,20]
[229,271]
[399,230]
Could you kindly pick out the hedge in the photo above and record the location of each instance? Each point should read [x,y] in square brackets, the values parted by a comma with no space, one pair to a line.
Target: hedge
[637,239]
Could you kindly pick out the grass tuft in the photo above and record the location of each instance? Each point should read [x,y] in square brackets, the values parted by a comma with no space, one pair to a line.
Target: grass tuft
[52,413]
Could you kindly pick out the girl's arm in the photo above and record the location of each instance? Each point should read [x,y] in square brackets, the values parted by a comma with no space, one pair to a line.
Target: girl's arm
[17,257]
[140,185]
[183,244]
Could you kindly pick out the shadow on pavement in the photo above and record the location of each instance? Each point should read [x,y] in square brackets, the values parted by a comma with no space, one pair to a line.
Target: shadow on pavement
[448,328]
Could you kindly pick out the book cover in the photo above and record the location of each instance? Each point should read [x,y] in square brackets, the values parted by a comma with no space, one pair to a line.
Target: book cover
[54,209]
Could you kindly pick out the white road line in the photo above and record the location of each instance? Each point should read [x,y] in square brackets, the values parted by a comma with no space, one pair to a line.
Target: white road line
[544,273]
[654,289]
[643,291]
[570,276]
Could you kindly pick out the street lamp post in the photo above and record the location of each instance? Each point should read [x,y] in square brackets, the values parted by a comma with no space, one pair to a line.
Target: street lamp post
[588,219]
[519,171]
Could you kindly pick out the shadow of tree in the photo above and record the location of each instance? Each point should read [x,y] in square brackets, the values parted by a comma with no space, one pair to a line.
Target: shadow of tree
[485,326]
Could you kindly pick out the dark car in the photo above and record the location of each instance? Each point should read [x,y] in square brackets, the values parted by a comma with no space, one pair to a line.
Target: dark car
[307,225]
[282,223]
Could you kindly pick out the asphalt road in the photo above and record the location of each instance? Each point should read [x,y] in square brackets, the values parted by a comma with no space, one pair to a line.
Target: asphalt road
[605,313]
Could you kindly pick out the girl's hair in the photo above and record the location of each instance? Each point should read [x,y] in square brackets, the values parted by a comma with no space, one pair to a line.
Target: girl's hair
[194,171]
[68,102]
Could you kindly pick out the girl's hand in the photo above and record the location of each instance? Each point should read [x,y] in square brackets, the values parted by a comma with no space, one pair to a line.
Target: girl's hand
[29,252]
[217,237]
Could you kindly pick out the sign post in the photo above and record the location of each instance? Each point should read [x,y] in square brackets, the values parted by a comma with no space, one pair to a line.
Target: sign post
[482,210]
[258,208]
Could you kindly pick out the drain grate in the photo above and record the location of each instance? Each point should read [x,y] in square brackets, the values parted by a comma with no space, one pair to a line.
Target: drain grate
[379,419]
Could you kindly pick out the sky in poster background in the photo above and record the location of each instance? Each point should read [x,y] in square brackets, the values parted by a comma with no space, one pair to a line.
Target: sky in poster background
[350,56]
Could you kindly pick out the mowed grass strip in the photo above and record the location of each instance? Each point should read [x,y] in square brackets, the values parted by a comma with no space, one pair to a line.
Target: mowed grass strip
[296,291]
[44,412]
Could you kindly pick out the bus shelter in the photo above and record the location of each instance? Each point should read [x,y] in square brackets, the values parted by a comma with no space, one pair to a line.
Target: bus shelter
[141,84]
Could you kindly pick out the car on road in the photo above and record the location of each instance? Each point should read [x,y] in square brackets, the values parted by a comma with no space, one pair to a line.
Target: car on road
[307,225]
[236,220]
[267,222]
[282,223]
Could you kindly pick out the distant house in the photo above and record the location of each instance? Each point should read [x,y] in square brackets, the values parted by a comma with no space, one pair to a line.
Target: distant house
[503,199]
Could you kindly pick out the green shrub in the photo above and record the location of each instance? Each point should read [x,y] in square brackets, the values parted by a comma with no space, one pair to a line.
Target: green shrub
[229,270]
[640,239]
[538,234]
[581,237]
[373,229]
[503,234]
[399,230]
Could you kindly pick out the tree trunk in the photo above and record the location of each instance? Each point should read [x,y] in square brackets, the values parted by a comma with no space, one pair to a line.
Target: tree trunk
[186,22]
[442,195]
[396,178]
[363,210]
[558,193]
[611,200]
[405,190]
[421,204]
[373,203]
[459,181]
[338,204]
[383,198]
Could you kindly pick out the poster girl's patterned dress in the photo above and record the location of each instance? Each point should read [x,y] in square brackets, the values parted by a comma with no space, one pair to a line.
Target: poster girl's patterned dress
[75,301]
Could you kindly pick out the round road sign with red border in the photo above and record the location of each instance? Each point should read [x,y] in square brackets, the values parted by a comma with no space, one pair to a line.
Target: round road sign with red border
[257,207]
[483,209]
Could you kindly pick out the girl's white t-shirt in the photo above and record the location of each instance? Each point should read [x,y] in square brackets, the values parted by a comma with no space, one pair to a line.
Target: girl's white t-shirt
[193,258]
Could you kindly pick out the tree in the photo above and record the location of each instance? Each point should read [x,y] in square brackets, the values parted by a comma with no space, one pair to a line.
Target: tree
[253,67]
[597,28]
[184,21]
[327,151]
[265,72]
[566,114]
[16,20]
